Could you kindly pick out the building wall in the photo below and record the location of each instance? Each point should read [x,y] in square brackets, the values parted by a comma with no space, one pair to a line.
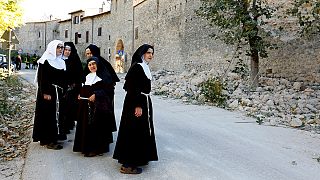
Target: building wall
[296,60]
[121,30]
[63,26]
[182,40]
[81,28]
[102,41]
[34,37]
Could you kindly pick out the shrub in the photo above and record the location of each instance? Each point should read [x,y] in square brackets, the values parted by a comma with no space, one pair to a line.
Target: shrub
[212,90]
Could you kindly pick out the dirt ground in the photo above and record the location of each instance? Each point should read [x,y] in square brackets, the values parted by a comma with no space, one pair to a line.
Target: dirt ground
[15,126]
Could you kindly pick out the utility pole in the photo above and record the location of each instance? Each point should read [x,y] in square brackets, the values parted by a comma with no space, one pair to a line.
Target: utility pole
[9,53]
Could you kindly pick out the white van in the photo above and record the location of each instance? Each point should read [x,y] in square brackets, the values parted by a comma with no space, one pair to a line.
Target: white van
[3,58]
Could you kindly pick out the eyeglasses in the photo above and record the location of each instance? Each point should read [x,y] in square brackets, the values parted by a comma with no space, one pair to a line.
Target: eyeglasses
[59,47]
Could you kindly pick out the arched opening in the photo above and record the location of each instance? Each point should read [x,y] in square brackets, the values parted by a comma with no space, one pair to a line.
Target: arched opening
[120,57]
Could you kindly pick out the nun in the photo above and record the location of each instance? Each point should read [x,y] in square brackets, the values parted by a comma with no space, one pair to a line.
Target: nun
[69,104]
[93,50]
[96,120]
[50,80]
[136,144]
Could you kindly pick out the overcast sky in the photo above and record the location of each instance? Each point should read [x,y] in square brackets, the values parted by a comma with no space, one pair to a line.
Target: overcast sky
[35,10]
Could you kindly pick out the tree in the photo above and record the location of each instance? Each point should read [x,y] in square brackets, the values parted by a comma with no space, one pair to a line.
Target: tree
[240,22]
[308,14]
[10,14]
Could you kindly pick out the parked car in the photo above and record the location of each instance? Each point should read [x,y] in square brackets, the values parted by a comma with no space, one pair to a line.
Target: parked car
[3,58]
[4,63]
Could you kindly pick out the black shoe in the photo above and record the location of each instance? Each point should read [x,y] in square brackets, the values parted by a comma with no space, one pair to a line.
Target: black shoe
[43,144]
[130,170]
[54,146]
[91,154]
[62,137]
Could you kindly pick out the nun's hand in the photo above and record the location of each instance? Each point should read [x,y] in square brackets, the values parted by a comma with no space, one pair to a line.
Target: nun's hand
[138,111]
[92,98]
[47,97]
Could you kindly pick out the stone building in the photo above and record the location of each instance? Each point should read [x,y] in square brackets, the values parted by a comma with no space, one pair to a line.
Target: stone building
[181,39]
[36,35]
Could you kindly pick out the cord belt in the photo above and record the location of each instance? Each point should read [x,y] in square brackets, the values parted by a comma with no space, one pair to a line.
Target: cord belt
[147,96]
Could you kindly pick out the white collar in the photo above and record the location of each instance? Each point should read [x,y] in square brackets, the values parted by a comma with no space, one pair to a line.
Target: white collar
[51,56]
[65,57]
[146,68]
[92,78]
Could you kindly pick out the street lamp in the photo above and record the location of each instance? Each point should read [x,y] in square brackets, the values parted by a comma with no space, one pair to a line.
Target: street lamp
[103,3]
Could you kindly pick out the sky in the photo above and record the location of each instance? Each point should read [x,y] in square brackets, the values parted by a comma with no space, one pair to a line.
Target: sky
[38,10]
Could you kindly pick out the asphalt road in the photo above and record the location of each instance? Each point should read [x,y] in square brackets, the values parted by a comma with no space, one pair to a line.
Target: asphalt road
[194,142]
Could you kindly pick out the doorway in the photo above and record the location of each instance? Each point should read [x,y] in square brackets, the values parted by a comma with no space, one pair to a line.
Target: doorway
[120,57]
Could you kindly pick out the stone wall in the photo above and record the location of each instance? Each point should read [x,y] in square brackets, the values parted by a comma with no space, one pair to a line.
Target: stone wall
[31,38]
[182,40]
[35,36]
[121,30]
[296,60]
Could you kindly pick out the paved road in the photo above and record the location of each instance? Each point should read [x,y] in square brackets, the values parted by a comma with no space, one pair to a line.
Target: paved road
[194,142]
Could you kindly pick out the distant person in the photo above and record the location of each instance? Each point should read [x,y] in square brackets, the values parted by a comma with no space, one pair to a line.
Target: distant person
[27,61]
[18,62]
[96,112]
[136,144]
[50,79]
[34,63]
[118,63]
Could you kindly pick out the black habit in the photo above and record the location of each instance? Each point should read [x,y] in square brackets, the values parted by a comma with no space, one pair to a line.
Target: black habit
[74,77]
[45,127]
[136,144]
[96,120]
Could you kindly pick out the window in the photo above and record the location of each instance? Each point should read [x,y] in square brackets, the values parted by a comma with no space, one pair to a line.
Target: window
[76,20]
[87,36]
[99,31]
[39,34]
[109,37]
[76,38]
[66,33]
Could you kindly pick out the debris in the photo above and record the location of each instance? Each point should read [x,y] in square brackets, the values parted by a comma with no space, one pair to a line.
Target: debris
[16,113]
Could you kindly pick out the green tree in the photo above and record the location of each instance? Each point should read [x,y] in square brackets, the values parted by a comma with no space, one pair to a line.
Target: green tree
[10,14]
[308,14]
[240,23]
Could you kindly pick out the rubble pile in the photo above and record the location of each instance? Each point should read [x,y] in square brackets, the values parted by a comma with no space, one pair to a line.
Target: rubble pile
[276,101]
